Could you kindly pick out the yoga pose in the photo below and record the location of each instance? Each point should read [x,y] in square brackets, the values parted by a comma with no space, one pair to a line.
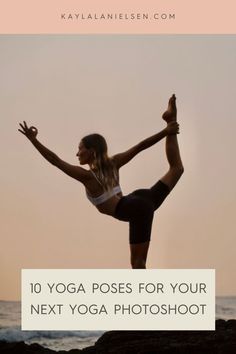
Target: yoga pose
[101,181]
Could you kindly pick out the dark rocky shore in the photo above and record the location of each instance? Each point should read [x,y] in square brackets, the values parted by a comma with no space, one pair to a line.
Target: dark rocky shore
[221,341]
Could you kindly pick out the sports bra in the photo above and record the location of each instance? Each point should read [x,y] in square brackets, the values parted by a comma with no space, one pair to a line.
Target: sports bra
[105,196]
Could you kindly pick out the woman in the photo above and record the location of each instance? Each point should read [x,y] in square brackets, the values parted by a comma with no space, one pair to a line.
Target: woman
[101,181]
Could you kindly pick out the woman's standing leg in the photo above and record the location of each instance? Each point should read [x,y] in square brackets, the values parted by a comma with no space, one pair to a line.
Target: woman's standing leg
[138,210]
[140,228]
[138,254]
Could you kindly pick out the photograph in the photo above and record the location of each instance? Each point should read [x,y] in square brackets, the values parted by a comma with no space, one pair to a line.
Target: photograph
[117,153]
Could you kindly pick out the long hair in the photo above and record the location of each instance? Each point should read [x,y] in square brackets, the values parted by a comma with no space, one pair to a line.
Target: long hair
[102,165]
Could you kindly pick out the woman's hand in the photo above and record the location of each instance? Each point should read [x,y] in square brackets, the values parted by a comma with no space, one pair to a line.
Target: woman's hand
[30,133]
[172,128]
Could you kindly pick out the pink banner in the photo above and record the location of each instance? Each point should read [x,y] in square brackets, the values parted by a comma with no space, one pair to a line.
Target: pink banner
[123,16]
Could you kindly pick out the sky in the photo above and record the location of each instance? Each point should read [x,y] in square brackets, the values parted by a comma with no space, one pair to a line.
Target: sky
[71,85]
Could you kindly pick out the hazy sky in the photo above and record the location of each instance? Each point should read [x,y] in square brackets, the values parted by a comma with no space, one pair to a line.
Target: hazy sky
[69,86]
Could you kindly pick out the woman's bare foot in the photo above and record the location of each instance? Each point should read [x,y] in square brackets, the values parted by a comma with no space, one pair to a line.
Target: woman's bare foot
[170,115]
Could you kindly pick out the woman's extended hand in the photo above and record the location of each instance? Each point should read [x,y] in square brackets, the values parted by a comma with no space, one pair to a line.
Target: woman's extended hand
[172,128]
[30,133]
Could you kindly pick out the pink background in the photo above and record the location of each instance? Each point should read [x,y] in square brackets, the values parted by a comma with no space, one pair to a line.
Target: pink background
[200,17]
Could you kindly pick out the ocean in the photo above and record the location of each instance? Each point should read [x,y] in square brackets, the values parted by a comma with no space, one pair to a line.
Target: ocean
[10,314]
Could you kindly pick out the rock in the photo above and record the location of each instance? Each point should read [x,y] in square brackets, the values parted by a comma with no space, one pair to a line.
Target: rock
[22,348]
[221,341]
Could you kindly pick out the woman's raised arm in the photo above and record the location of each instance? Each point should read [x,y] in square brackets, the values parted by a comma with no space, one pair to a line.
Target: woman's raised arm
[124,157]
[76,172]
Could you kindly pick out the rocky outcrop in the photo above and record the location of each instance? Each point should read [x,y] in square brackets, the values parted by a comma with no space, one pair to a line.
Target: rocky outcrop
[221,341]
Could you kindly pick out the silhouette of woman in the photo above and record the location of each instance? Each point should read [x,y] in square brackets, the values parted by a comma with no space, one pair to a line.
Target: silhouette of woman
[101,181]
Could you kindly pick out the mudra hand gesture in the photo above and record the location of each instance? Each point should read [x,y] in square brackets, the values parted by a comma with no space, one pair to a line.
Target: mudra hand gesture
[30,133]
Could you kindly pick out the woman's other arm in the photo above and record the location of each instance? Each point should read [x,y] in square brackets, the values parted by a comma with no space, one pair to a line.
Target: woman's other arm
[76,172]
[124,157]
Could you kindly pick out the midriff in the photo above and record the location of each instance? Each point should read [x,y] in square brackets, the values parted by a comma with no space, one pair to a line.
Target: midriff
[109,206]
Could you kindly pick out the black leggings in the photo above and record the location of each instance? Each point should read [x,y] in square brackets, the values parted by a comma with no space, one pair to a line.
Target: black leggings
[138,208]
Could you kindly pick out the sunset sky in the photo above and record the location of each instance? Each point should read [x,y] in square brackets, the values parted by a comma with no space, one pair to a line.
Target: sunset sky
[72,85]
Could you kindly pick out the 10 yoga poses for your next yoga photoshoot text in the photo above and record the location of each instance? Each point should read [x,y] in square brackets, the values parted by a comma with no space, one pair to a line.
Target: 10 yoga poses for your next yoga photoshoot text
[101,180]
